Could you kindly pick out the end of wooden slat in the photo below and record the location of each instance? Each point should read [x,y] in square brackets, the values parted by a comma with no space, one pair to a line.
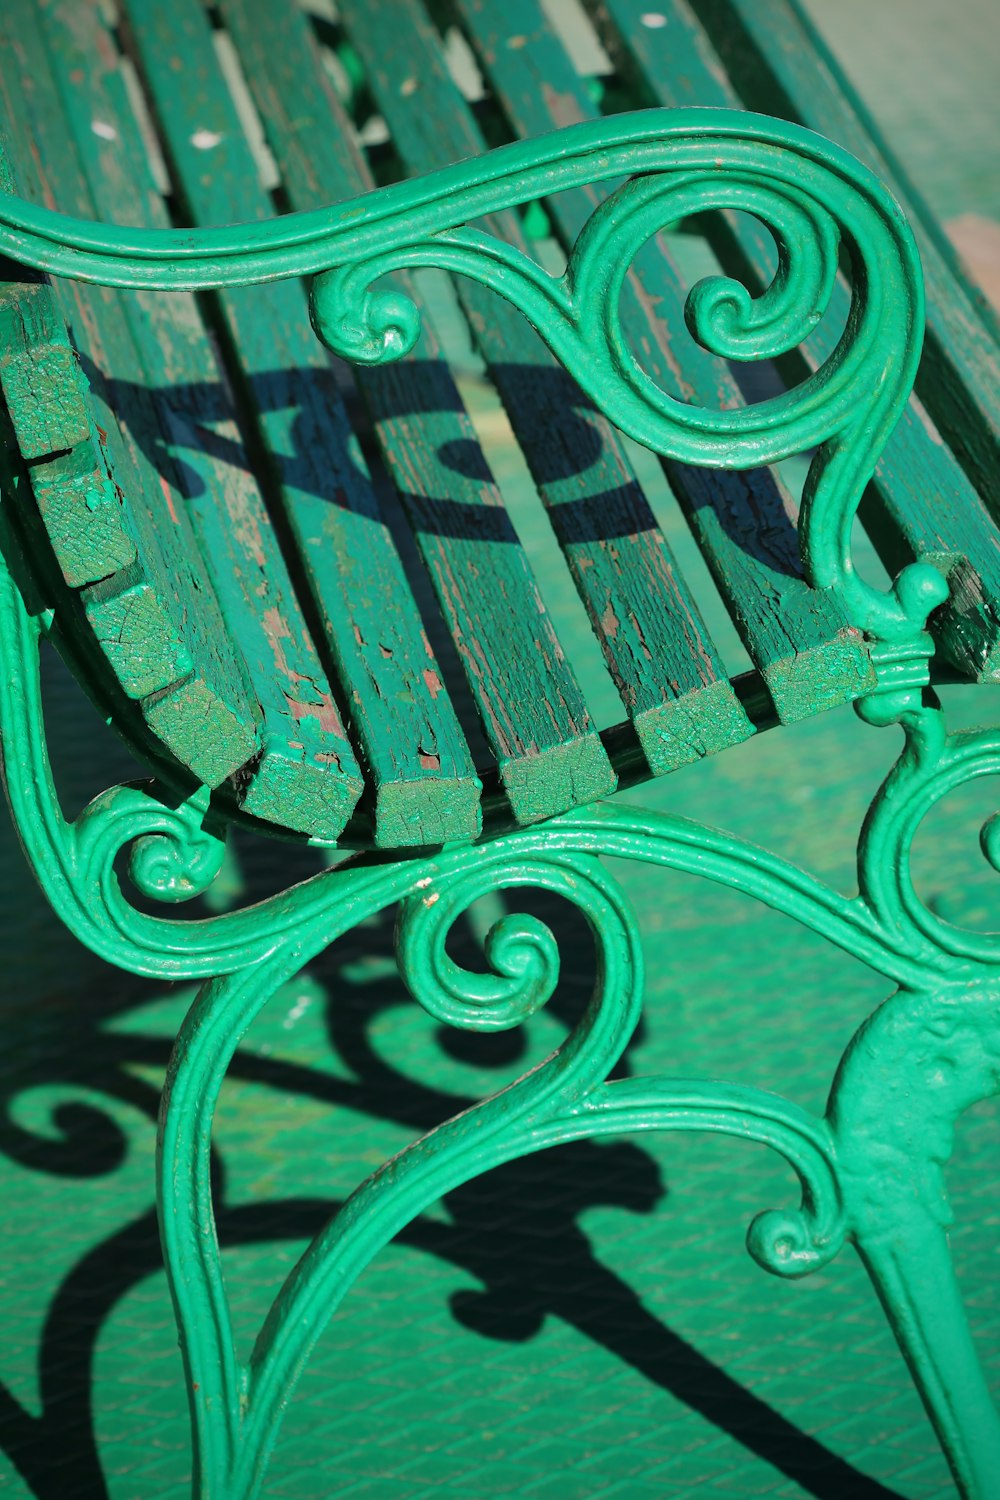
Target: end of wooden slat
[200,730]
[418,814]
[83,517]
[145,652]
[45,395]
[838,671]
[310,793]
[967,627]
[39,371]
[557,779]
[688,728]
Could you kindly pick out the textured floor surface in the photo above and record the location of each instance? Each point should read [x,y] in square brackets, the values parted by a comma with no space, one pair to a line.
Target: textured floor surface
[584,1324]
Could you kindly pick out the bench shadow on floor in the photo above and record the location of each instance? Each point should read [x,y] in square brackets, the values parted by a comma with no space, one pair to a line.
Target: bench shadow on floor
[516,1231]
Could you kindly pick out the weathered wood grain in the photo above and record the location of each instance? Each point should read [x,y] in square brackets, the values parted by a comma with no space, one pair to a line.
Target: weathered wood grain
[174,660]
[306,777]
[780,65]
[419,770]
[659,653]
[530,703]
[797,637]
[922,504]
[47,400]
[40,371]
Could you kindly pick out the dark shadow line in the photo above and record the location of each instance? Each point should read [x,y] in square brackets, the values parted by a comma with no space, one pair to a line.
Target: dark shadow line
[494,1234]
[43,1448]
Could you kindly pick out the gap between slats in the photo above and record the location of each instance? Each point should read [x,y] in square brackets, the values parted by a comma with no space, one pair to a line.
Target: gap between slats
[656,659]
[436,800]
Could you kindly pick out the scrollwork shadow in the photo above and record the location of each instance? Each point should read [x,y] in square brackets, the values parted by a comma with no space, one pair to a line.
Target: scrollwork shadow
[604,1174]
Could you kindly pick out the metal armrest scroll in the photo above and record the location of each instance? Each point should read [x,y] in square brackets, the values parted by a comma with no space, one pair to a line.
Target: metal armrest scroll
[812,196]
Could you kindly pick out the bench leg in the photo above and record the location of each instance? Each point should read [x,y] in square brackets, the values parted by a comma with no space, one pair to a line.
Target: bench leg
[909,1073]
[911,1268]
[871,1169]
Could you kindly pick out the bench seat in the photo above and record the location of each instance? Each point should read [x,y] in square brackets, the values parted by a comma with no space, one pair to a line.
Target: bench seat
[242,547]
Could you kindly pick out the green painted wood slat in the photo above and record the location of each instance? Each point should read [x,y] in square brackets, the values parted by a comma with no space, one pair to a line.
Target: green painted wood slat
[421,777]
[533,711]
[922,505]
[46,397]
[174,661]
[798,637]
[660,655]
[305,777]
[780,65]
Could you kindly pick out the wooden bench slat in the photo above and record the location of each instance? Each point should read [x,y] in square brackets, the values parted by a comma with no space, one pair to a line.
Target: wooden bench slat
[549,755]
[400,715]
[922,504]
[659,653]
[797,637]
[46,398]
[780,65]
[190,690]
[45,395]
[306,777]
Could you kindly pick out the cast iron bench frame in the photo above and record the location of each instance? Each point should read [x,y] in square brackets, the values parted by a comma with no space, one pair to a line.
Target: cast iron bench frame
[871,1167]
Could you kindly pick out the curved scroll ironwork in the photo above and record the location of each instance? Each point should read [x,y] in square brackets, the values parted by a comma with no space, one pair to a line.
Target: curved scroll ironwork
[945,1007]
[934,763]
[237,1409]
[813,197]
[175,851]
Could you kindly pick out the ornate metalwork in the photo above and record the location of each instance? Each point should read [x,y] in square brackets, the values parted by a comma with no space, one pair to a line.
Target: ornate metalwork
[813,196]
[871,1167]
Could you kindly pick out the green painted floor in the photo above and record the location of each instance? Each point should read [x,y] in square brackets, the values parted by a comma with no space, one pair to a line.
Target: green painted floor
[585,1324]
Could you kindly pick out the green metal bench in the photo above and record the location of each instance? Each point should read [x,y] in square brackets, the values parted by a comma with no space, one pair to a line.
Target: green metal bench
[224,536]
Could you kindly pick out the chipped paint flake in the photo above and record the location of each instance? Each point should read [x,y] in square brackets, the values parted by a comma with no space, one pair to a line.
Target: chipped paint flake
[297,1011]
[206,140]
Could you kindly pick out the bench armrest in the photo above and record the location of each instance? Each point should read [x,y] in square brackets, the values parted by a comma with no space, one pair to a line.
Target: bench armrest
[812,195]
